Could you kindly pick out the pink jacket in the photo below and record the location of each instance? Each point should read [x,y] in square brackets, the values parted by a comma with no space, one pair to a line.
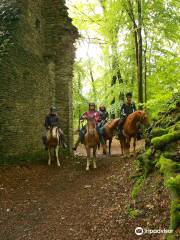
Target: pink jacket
[91,114]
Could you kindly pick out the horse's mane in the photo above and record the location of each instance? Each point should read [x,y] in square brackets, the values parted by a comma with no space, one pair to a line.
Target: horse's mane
[52,132]
[112,122]
[135,114]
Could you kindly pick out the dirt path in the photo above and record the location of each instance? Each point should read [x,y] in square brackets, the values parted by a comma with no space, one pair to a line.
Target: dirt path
[46,203]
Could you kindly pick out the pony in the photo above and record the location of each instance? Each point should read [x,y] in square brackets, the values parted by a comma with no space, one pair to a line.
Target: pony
[109,128]
[53,137]
[91,140]
[130,129]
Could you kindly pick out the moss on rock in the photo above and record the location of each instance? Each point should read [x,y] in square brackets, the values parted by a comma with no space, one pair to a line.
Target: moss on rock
[167,166]
[159,142]
[156,132]
[175,214]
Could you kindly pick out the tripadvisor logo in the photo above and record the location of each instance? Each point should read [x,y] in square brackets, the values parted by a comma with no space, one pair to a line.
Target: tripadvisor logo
[139,231]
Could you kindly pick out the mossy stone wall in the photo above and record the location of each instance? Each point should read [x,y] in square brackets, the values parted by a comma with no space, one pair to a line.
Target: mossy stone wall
[36,61]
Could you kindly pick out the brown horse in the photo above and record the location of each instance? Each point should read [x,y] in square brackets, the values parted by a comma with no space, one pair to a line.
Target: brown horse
[130,129]
[53,136]
[109,128]
[91,140]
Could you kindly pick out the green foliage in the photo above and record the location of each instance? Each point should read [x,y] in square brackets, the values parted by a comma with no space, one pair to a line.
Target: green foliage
[108,25]
[9,16]
[163,152]
[175,214]
[167,166]
[80,102]
[159,142]
[133,213]
[137,187]
[174,184]
[146,161]
[156,132]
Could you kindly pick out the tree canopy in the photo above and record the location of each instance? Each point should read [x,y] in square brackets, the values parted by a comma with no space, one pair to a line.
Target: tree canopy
[127,46]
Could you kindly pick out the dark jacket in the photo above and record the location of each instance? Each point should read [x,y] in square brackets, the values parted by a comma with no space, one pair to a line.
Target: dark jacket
[127,109]
[103,115]
[51,120]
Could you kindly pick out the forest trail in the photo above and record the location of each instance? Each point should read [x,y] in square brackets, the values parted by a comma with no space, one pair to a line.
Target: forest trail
[46,203]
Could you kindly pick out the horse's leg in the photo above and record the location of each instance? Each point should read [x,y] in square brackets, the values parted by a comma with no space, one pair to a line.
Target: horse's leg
[128,142]
[110,143]
[104,148]
[99,146]
[57,155]
[122,144]
[88,158]
[134,145]
[49,154]
[94,157]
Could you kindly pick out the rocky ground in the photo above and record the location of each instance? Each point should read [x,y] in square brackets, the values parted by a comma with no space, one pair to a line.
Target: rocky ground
[49,203]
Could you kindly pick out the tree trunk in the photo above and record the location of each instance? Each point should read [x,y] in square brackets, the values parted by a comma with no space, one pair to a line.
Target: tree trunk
[92,80]
[79,107]
[136,42]
[140,79]
[145,69]
[145,77]
[91,75]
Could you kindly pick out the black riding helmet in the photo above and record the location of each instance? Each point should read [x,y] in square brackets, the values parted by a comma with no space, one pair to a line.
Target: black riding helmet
[129,94]
[92,104]
[53,109]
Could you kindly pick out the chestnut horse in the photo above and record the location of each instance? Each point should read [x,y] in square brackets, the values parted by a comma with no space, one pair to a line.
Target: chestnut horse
[91,140]
[109,128]
[53,143]
[130,129]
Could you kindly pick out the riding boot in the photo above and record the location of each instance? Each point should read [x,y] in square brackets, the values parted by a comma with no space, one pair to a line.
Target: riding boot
[120,126]
[62,139]
[44,139]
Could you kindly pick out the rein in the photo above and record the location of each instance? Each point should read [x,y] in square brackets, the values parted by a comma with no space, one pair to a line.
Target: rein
[90,130]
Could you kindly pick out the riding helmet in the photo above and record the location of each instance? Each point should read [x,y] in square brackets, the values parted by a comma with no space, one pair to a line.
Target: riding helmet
[53,109]
[129,94]
[92,104]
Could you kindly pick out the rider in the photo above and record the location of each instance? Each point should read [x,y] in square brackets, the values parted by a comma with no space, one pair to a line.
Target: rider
[103,115]
[127,108]
[91,113]
[52,120]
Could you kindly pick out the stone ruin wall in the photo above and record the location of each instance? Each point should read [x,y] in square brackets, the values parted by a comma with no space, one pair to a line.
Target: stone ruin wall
[36,67]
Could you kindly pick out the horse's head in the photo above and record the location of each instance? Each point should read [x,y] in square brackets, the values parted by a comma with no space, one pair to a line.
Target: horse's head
[144,118]
[52,132]
[91,121]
